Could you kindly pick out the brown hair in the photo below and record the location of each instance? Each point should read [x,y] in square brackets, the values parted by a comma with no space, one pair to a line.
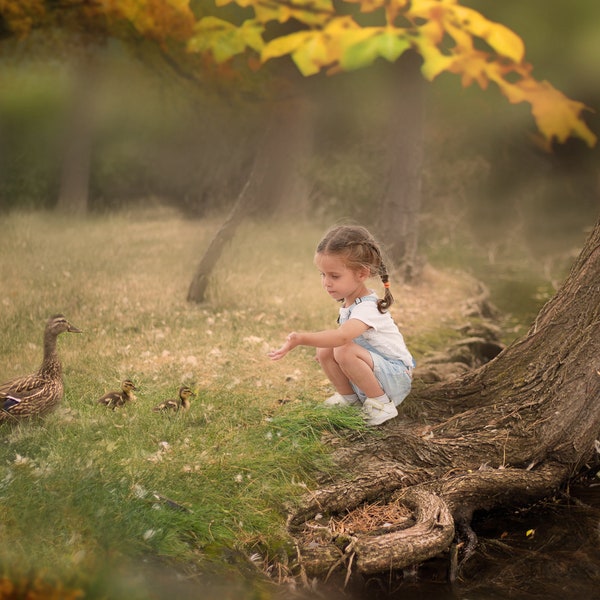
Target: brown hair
[359,249]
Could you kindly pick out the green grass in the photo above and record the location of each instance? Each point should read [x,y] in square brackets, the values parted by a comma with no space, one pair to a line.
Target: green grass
[84,493]
[91,498]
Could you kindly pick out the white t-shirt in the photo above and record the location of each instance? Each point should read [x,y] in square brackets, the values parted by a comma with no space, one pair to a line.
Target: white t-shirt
[383,334]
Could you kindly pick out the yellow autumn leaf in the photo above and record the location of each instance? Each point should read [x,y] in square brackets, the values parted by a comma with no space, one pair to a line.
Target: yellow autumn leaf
[367,6]
[387,44]
[323,5]
[341,25]
[312,55]
[309,12]
[205,32]
[359,54]
[251,32]
[266,12]
[530,532]
[228,45]
[472,67]
[557,116]
[391,45]
[502,39]
[312,12]
[213,24]
[463,39]
[221,38]
[462,23]
[434,60]
[343,34]
[433,14]
[514,93]
[285,45]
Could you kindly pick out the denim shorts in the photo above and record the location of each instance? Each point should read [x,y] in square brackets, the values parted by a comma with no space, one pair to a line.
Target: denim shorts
[393,376]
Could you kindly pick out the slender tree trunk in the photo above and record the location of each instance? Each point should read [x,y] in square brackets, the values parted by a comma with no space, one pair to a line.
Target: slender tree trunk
[242,206]
[399,207]
[3,203]
[75,177]
[275,185]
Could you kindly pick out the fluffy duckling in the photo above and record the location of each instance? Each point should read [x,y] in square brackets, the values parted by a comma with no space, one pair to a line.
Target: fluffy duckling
[39,393]
[183,403]
[115,400]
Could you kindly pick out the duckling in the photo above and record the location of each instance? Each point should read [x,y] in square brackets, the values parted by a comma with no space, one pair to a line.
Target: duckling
[183,404]
[117,399]
[39,393]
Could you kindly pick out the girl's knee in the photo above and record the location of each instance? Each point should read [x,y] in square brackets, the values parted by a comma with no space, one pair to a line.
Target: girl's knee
[324,354]
[344,353]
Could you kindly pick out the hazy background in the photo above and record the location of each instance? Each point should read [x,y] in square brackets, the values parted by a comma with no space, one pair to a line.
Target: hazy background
[488,189]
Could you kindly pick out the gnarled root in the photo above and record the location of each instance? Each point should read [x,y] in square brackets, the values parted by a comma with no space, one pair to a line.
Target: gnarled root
[404,541]
[425,526]
[431,534]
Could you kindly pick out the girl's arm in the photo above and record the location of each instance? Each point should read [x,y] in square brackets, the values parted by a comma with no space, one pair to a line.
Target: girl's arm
[330,338]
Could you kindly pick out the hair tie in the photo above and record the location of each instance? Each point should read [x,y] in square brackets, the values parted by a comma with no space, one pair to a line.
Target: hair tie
[386,285]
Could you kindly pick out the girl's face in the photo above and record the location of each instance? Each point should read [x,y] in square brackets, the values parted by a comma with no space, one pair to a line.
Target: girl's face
[339,281]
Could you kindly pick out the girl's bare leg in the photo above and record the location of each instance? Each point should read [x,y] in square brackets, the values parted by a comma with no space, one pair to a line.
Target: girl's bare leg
[334,373]
[356,365]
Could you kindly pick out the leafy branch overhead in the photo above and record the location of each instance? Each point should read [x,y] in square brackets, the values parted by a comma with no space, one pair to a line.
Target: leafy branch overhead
[333,37]
[449,37]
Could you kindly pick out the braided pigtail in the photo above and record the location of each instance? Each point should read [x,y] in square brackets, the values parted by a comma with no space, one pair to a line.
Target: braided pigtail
[384,303]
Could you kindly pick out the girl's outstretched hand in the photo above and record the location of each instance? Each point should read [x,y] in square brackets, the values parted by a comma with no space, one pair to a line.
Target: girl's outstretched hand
[290,343]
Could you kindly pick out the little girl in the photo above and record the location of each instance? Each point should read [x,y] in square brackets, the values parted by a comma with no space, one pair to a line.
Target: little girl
[365,358]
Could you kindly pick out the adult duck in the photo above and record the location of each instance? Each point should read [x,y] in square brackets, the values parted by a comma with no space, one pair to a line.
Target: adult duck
[39,393]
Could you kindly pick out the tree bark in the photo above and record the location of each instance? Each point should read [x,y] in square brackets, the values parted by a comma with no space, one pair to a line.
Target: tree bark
[197,289]
[399,208]
[504,435]
[3,153]
[75,177]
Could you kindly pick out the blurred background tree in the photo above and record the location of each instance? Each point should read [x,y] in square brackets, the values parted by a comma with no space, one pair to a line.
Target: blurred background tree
[169,124]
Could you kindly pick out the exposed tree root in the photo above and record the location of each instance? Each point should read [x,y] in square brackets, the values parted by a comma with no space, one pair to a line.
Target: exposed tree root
[415,524]
[432,532]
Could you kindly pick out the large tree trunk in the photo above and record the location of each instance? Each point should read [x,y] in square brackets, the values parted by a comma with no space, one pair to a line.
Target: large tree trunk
[399,208]
[507,434]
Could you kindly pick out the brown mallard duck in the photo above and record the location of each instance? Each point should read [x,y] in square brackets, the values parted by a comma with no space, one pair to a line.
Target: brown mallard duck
[41,392]
[181,404]
[115,400]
